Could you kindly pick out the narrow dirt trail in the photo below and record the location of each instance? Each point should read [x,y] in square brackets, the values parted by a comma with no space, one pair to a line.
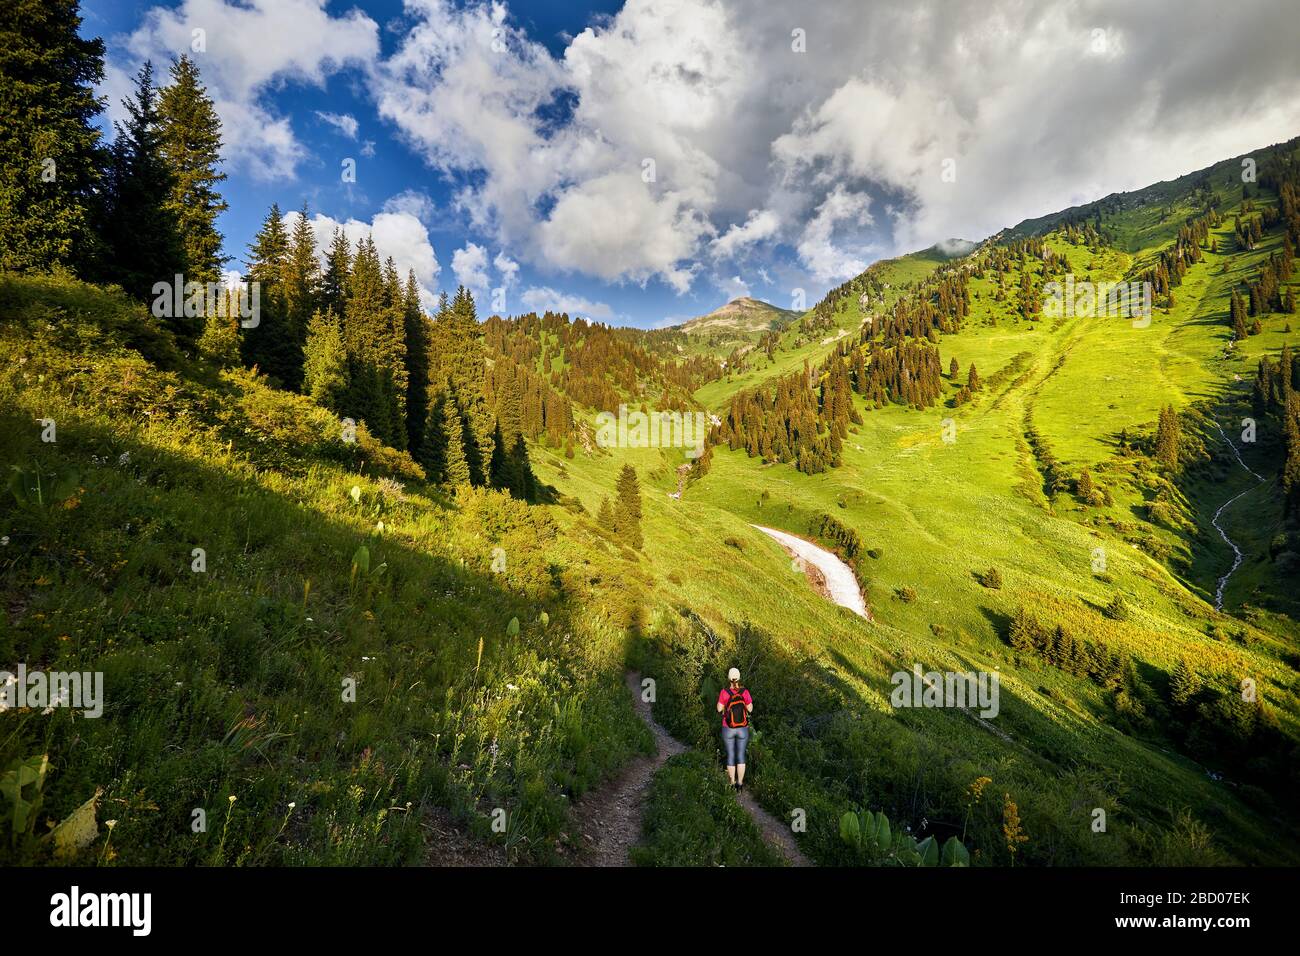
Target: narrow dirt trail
[610,818]
[1237,556]
[775,833]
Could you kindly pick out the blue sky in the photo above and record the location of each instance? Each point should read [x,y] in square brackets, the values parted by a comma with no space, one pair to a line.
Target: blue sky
[644,162]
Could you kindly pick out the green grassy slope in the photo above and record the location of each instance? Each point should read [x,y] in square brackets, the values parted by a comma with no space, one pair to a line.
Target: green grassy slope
[481,689]
[935,515]
[225,687]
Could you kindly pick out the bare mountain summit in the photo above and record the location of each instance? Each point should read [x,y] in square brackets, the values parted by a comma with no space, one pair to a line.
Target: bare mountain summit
[743,315]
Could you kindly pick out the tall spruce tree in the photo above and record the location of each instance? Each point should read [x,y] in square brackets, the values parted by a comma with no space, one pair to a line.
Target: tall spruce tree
[397,370]
[190,137]
[144,243]
[338,266]
[365,333]
[432,450]
[1291,463]
[300,290]
[417,361]
[266,344]
[52,155]
[457,355]
[456,466]
[627,507]
[522,470]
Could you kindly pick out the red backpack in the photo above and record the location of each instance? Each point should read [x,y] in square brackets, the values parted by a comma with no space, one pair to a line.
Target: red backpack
[736,713]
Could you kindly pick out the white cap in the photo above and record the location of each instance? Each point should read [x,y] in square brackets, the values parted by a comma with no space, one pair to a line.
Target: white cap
[733,674]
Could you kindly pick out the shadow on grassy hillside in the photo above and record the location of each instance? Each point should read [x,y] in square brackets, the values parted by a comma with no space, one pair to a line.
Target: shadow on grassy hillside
[336,657]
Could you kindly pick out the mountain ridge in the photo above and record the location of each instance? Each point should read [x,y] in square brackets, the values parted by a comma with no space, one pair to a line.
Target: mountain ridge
[744,314]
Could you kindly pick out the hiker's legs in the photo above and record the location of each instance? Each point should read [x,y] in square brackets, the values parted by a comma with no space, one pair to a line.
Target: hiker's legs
[742,738]
[731,746]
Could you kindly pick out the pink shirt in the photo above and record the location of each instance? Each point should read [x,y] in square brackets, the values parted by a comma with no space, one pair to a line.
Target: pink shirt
[724,696]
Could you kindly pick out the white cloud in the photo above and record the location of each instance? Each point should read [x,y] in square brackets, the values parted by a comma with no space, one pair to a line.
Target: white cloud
[397,234]
[418,204]
[755,146]
[762,224]
[251,48]
[614,228]
[469,263]
[650,84]
[733,288]
[345,123]
[507,270]
[545,299]
[817,249]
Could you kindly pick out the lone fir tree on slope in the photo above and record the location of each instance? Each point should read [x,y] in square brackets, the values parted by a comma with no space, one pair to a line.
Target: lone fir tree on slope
[627,509]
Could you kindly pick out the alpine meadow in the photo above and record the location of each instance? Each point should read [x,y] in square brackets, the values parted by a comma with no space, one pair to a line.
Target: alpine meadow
[426,426]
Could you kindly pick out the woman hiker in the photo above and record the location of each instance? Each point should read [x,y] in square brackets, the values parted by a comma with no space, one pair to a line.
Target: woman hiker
[735,705]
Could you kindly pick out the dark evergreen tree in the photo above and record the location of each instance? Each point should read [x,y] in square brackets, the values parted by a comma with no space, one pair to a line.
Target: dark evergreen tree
[372,356]
[268,344]
[432,451]
[417,360]
[190,136]
[52,156]
[1184,686]
[141,233]
[1291,461]
[338,267]
[299,292]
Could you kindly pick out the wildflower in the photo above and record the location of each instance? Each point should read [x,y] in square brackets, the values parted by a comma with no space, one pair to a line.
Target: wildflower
[976,789]
[1011,829]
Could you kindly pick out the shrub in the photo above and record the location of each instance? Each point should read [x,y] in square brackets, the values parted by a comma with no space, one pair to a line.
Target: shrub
[1117,609]
[843,540]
